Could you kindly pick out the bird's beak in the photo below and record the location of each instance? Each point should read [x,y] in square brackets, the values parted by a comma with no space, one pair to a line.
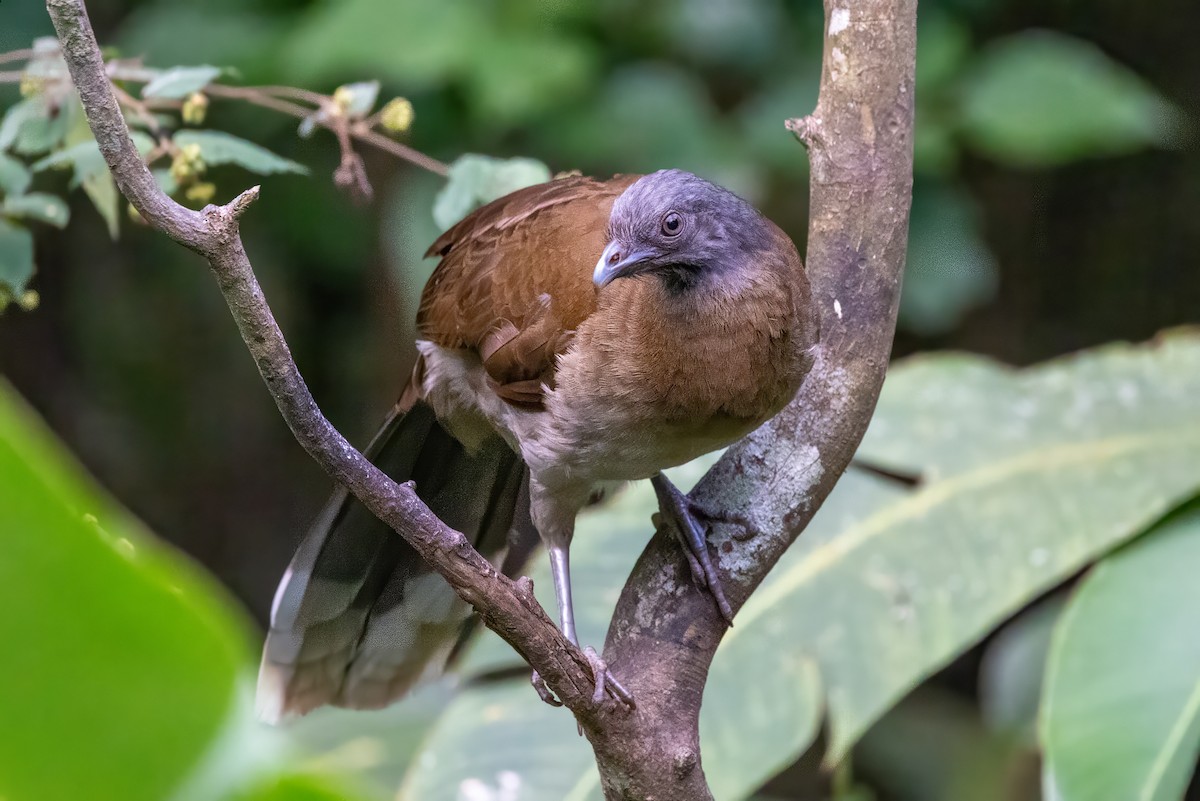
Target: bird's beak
[615,262]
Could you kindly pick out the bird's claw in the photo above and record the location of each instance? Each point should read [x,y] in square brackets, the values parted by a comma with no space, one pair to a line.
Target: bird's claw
[680,514]
[606,682]
[542,690]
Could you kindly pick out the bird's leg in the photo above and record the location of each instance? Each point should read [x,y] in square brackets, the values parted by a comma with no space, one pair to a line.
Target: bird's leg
[560,569]
[678,513]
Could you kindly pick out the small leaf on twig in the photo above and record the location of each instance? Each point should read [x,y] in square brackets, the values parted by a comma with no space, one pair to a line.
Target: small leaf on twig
[14,176]
[475,180]
[16,259]
[39,206]
[217,147]
[180,82]
[355,100]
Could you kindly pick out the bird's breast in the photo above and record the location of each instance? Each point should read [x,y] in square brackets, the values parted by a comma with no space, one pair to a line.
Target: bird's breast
[650,382]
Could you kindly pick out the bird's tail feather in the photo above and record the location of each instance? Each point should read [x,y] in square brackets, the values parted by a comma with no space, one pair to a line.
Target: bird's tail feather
[359,616]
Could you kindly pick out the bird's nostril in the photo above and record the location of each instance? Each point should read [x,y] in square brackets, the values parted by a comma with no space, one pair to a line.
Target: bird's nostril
[615,257]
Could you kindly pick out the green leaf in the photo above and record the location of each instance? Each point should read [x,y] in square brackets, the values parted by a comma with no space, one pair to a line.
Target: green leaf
[85,158]
[377,749]
[179,82]
[475,180]
[39,206]
[1121,707]
[949,270]
[39,129]
[1040,98]
[102,191]
[129,664]
[16,259]
[523,74]
[422,45]
[218,147]
[473,752]
[15,118]
[14,176]
[166,182]
[1027,476]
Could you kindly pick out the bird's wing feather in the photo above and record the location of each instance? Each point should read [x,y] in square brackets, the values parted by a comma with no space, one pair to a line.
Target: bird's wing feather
[515,279]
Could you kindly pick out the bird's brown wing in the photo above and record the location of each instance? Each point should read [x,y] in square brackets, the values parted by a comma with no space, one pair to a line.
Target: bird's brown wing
[515,280]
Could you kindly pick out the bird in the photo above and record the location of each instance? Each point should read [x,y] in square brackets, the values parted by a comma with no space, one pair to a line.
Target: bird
[574,335]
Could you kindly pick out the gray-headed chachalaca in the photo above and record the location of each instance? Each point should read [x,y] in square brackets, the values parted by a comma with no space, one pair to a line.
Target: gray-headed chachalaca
[576,334]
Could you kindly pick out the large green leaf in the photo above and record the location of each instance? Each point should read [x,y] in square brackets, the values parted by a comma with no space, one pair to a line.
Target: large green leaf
[492,743]
[1026,477]
[1041,98]
[1121,707]
[121,666]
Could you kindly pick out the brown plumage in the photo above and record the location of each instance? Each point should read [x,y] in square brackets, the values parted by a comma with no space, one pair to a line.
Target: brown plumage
[600,331]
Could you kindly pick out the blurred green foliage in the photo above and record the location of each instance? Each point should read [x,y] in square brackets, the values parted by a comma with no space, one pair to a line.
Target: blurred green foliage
[130,687]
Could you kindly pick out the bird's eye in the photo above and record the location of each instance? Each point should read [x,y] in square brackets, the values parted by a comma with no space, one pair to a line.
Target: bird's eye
[672,224]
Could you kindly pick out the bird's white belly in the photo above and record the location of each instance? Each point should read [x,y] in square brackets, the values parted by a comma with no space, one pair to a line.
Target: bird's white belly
[578,442]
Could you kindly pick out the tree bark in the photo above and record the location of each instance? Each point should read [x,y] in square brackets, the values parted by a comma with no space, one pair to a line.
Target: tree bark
[860,145]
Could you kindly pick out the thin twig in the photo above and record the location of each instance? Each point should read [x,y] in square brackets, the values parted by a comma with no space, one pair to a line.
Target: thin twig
[16,55]
[269,97]
[303,95]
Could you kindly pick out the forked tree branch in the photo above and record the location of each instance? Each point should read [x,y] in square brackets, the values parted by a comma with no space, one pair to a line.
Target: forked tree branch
[860,144]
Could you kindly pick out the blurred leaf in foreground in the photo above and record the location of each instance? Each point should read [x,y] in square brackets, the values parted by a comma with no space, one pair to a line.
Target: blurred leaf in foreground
[121,666]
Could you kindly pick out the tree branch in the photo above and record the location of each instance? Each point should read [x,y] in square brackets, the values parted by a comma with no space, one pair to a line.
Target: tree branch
[507,607]
[860,141]
[860,149]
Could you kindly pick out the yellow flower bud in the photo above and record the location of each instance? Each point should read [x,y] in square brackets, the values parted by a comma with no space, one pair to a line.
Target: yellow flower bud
[31,86]
[194,108]
[343,96]
[29,300]
[397,115]
[187,165]
[200,193]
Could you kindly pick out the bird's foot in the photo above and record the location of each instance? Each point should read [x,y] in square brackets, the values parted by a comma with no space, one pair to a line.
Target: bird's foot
[542,690]
[606,684]
[681,515]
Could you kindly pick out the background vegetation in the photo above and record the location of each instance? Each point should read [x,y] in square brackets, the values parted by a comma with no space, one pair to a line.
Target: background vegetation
[1054,211]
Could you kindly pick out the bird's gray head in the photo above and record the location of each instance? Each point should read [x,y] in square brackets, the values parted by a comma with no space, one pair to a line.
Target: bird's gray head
[680,227]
